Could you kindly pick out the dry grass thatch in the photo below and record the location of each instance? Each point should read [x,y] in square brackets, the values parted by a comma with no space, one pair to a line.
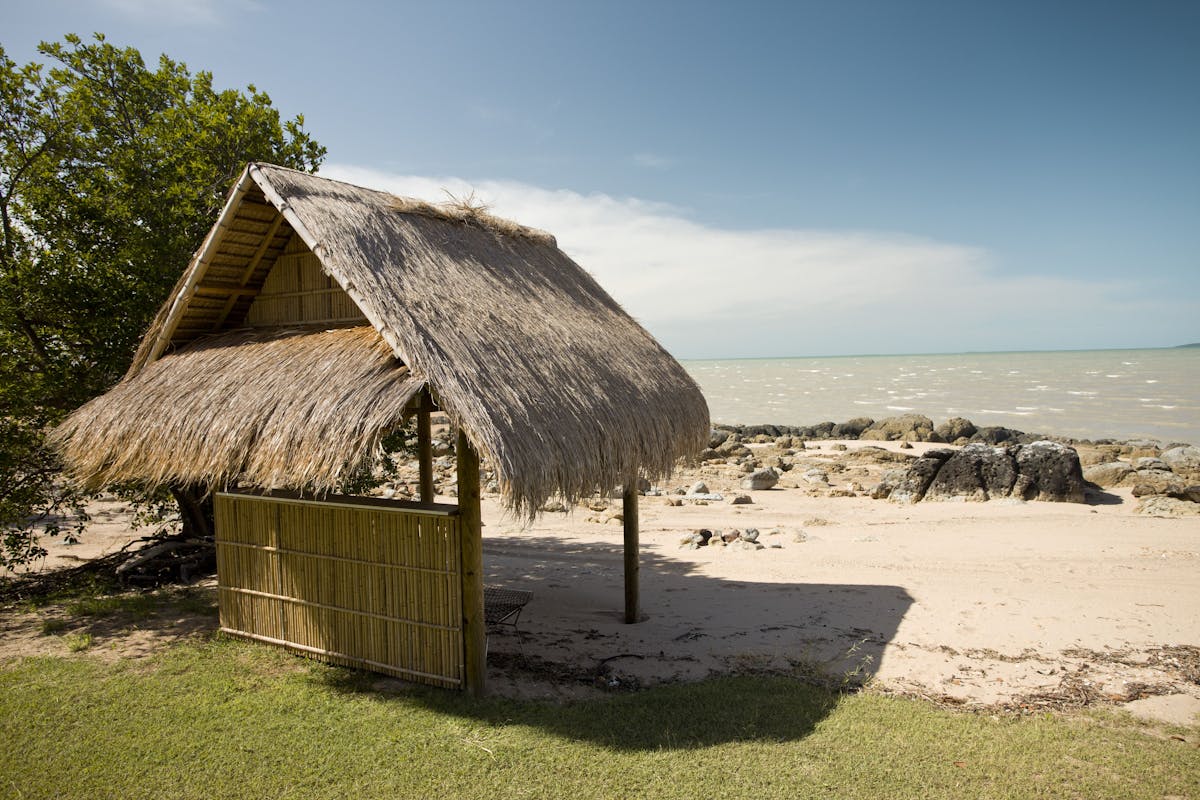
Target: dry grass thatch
[553,382]
[278,408]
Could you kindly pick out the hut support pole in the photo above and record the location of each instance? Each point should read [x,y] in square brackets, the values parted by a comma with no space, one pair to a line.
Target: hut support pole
[474,634]
[629,510]
[425,447]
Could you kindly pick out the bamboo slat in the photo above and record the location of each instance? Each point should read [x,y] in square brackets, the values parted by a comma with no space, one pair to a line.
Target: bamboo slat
[358,585]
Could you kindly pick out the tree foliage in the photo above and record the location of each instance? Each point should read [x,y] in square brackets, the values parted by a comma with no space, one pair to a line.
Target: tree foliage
[111,173]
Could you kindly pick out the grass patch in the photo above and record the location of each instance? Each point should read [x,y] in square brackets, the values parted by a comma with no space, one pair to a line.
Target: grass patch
[230,719]
[78,642]
[53,626]
[134,604]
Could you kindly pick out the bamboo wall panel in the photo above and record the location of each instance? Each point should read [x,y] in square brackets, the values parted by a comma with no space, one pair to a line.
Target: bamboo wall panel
[298,290]
[364,586]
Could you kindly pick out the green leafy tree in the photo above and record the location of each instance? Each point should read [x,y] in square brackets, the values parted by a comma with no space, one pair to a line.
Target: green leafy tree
[111,173]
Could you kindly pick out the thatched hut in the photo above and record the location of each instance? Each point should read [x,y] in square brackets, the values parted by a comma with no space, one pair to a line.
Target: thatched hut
[317,317]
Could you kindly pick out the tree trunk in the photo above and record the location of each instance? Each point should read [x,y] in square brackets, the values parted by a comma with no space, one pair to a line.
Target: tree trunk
[196,511]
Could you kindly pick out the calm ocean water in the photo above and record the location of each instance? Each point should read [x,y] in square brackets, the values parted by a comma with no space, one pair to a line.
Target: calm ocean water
[1087,394]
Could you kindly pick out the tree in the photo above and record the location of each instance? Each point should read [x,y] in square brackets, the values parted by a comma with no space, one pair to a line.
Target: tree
[111,173]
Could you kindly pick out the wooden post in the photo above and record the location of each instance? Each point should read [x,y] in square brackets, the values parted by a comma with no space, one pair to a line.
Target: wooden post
[425,447]
[474,633]
[629,510]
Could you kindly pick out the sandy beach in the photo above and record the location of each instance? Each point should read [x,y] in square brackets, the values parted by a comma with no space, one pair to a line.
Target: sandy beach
[1020,605]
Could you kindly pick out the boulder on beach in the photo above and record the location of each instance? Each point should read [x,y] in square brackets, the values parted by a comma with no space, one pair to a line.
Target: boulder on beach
[1042,470]
[1108,474]
[851,429]
[905,428]
[761,479]
[1183,461]
[954,429]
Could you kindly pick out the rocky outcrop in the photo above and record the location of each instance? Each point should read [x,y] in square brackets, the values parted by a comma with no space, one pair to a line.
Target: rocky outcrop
[954,429]
[1108,474]
[1039,471]
[1183,461]
[977,472]
[852,429]
[905,428]
[911,484]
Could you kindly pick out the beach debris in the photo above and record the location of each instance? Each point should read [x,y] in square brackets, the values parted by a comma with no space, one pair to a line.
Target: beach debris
[761,479]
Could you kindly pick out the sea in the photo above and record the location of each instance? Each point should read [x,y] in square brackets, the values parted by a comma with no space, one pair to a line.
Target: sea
[1083,394]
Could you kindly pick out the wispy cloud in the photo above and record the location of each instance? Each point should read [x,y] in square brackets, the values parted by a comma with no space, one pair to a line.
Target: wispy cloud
[182,13]
[653,160]
[713,292]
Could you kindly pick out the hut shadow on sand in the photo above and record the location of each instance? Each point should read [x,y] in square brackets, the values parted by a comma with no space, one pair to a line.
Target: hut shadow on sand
[785,646]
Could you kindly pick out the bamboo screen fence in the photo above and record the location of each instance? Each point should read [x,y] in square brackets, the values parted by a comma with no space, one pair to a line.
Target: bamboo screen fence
[373,586]
[298,290]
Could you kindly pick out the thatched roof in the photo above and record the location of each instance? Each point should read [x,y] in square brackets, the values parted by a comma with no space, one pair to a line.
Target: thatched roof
[280,407]
[552,381]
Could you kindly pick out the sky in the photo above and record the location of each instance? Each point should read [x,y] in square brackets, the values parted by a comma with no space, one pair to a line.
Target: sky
[761,179]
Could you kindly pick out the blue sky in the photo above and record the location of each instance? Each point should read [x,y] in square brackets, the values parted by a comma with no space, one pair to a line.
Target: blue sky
[763,179]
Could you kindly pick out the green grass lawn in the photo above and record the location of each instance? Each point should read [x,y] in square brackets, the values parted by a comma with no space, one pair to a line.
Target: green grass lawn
[224,718]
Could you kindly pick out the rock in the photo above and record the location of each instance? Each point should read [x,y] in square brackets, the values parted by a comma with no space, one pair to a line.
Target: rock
[1189,493]
[692,541]
[699,487]
[441,447]
[815,475]
[1049,471]
[911,486]
[995,434]
[731,536]
[906,446]
[1153,481]
[878,455]
[851,429]
[733,448]
[1162,506]
[708,454]
[955,428]
[748,467]
[887,482]
[674,500]
[705,535]
[976,472]
[1150,462]
[553,506]
[906,428]
[1183,461]
[750,535]
[801,536]
[741,500]
[1108,474]
[839,446]
[784,442]
[761,480]
[840,492]
[717,437]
